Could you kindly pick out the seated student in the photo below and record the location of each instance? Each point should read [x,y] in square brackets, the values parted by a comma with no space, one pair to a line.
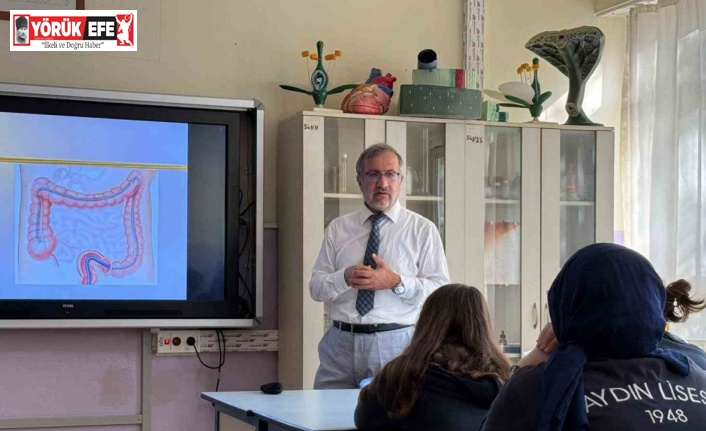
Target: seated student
[677,308]
[447,377]
[608,372]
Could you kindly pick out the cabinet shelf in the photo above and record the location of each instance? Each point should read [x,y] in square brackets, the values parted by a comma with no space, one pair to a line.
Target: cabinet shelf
[342,196]
[577,203]
[425,198]
[498,201]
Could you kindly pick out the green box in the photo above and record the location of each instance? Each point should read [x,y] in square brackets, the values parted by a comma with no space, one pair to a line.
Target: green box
[444,78]
[440,102]
[489,111]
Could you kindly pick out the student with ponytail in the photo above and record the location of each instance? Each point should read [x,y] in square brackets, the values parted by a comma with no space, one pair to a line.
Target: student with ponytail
[677,309]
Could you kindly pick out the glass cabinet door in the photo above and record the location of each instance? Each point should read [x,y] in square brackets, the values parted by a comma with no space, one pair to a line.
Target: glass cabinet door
[424,171]
[569,196]
[577,191]
[344,140]
[502,242]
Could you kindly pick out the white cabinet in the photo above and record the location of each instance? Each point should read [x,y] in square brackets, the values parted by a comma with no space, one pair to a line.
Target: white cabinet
[511,201]
[577,196]
[548,191]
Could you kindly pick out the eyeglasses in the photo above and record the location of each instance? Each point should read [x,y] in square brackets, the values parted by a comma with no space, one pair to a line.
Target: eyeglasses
[374,176]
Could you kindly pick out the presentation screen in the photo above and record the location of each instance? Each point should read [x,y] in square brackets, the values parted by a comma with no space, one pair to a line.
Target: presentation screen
[94,208]
[126,211]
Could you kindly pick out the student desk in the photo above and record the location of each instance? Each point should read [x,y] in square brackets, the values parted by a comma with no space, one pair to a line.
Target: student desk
[316,410]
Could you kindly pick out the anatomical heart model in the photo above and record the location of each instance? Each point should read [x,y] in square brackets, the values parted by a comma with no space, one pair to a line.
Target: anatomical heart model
[373,97]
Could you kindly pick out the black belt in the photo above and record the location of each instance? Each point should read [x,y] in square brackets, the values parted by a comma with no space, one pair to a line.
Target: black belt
[368,329]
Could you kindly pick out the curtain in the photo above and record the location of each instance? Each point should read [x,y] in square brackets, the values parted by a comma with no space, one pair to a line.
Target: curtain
[663,142]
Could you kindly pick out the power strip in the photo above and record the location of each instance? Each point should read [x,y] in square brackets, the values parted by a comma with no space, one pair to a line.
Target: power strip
[182,342]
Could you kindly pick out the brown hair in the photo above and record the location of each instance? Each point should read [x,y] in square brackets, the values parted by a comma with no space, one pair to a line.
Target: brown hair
[374,151]
[678,305]
[453,332]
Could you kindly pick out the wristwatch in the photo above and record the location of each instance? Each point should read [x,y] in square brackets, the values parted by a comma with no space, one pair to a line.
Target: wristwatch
[399,289]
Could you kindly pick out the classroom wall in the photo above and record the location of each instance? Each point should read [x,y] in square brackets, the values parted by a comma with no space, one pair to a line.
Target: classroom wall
[244,49]
[599,5]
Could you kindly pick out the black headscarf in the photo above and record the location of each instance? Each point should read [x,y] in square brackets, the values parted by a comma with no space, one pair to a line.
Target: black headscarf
[606,303]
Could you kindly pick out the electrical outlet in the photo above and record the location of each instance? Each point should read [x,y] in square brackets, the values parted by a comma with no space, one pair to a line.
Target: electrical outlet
[176,342]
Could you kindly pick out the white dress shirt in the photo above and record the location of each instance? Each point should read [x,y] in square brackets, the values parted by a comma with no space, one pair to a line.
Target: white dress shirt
[409,244]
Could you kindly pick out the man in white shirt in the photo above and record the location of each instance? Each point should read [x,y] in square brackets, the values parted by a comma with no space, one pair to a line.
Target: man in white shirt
[376,268]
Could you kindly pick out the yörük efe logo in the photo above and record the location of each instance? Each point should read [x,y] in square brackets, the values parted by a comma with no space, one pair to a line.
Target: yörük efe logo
[81,30]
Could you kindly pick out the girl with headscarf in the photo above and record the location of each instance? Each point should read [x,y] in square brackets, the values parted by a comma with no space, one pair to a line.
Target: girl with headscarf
[608,372]
[677,308]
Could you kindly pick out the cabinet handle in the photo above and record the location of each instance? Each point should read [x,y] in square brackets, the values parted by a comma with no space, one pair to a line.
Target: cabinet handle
[535,316]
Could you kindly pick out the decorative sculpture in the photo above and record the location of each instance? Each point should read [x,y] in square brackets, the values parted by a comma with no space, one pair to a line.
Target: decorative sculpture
[319,78]
[521,94]
[576,53]
[373,97]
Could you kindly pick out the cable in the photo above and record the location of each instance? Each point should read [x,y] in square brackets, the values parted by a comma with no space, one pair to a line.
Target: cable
[246,220]
[247,208]
[248,214]
[221,339]
[242,222]
[221,352]
[221,355]
[217,367]
[250,296]
[247,305]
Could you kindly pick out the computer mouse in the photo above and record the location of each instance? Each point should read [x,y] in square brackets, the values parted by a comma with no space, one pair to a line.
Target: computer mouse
[273,388]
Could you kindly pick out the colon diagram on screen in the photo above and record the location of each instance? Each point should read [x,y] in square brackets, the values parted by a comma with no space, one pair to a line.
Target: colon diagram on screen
[97,208]
[89,222]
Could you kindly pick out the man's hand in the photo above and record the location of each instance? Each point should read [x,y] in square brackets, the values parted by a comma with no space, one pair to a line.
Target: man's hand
[364,277]
[348,274]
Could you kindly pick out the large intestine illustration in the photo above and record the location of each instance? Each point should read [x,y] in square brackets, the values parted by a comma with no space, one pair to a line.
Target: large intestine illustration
[101,232]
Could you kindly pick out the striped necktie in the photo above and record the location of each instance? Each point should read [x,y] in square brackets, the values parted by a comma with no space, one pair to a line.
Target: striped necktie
[366,298]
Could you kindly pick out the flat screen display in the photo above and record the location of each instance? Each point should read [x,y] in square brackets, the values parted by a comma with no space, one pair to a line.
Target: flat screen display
[110,210]
[94,208]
